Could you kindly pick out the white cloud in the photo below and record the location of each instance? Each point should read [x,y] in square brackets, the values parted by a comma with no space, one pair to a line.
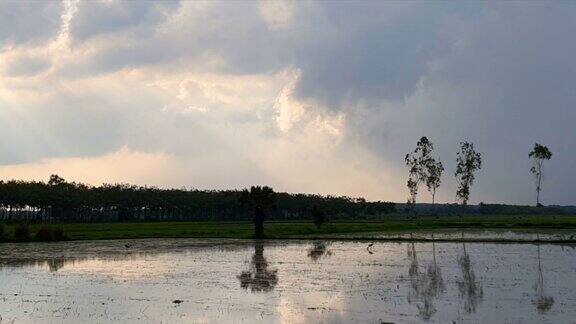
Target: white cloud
[277,13]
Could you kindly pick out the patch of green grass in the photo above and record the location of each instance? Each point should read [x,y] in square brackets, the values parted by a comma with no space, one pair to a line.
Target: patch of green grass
[299,229]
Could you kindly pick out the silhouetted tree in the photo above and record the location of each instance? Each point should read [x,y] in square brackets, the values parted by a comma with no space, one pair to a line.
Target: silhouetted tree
[259,200]
[423,168]
[434,171]
[55,180]
[417,162]
[60,201]
[258,278]
[412,185]
[539,154]
[468,161]
[318,216]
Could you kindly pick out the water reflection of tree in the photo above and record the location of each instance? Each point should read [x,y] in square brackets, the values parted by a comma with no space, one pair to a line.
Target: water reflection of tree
[435,283]
[56,264]
[425,286]
[318,250]
[470,291]
[258,278]
[543,303]
[53,264]
[413,274]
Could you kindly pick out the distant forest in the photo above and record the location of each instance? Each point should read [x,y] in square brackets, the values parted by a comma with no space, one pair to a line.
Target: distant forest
[60,201]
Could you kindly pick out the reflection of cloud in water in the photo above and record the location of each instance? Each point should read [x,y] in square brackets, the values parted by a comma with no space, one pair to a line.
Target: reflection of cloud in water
[351,286]
[105,257]
[126,267]
[137,268]
[258,278]
[321,307]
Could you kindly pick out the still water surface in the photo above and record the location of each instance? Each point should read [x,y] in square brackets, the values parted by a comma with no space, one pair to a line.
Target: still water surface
[231,281]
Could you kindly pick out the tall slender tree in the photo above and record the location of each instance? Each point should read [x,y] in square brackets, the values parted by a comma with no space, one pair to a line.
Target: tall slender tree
[423,168]
[538,155]
[434,171]
[468,161]
[417,161]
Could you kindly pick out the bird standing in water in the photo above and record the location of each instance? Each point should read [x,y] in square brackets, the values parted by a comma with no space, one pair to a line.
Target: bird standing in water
[369,247]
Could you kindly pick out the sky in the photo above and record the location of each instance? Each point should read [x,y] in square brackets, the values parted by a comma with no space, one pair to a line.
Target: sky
[315,97]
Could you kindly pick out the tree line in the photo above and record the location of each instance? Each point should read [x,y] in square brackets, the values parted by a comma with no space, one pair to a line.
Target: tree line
[60,201]
[424,168]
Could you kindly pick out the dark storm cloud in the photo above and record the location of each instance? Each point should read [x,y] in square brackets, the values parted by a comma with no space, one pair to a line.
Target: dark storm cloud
[190,31]
[506,82]
[379,50]
[347,53]
[95,18]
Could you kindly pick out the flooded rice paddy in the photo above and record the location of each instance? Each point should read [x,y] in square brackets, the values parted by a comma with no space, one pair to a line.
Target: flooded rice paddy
[232,281]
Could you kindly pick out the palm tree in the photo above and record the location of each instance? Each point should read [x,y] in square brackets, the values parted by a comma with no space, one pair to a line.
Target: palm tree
[259,200]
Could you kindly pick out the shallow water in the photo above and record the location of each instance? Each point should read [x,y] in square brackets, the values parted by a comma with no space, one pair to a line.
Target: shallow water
[231,281]
[501,235]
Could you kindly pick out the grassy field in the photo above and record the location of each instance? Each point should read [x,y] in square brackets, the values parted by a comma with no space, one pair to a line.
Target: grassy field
[300,229]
